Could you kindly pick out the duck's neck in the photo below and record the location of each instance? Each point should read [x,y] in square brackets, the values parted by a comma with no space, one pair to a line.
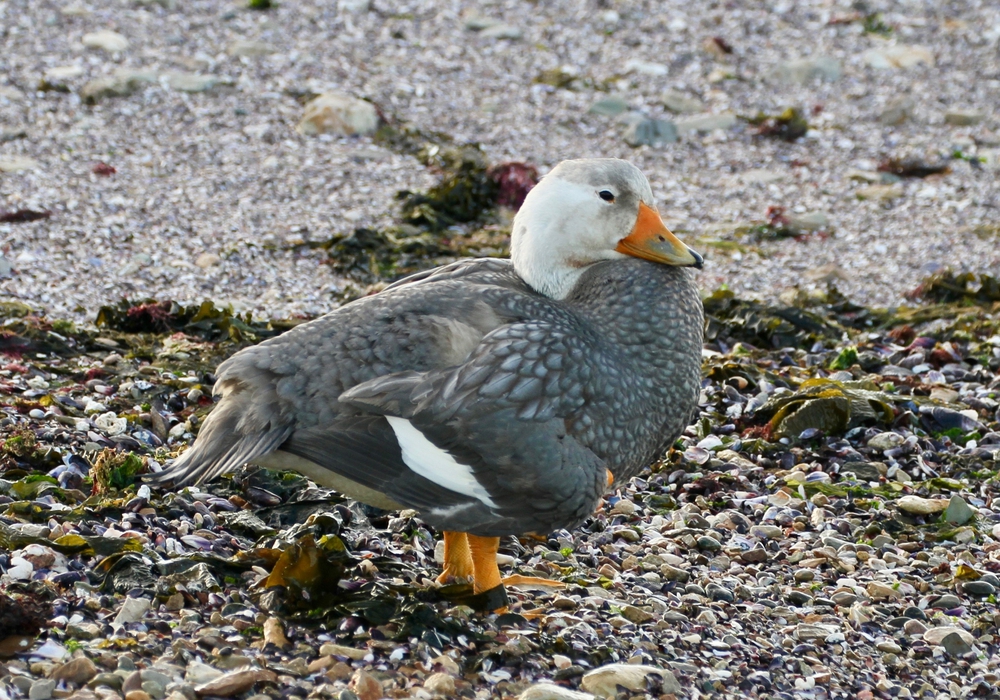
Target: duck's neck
[550,263]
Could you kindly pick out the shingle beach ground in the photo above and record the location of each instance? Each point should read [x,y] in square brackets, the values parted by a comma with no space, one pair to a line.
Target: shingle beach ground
[827,529]
[222,172]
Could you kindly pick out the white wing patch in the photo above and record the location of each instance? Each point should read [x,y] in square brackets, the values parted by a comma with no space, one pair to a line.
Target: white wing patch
[431,462]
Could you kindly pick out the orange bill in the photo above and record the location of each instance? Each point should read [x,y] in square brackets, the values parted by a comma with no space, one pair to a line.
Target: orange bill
[651,240]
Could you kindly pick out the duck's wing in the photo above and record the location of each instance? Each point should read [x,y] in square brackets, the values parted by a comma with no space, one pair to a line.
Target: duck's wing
[494,434]
[292,382]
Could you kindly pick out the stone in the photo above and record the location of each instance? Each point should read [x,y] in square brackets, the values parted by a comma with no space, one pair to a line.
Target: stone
[963,117]
[477,23]
[897,110]
[761,176]
[804,70]
[198,673]
[235,682]
[132,610]
[137,695]
[680,103]
[122,84]
[914,627]
[646,67]
[551,691]
[936,635]
[958,511]
[58,73]
[16,164]
[885,441]
[250,49]
[175,602]
[343,651]
[78,670]
[706,123]
[274,633]
[921,506]
[366,686]
[192,82]
[610,106]
[879,193]
[82,630]
[502,31]
[440,684]
[106,40]
[978,589]
[650,132]
[898,56]
[878,590]
[956,645]
[635,614]
[604,681]
[41,689]
[342,115]
[355,7]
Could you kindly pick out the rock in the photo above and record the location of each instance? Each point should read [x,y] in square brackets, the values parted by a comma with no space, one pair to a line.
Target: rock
[761,176]
[59,73]
[808,221]
[937,635]
[956,645]
[921,506]
[122,84]
[978,589]
[478,24]
[645,67]
[604,681]
[16,164]
[610,106]
[914,627]
[132,610]
[235,683]
[343,651]
[175,602]
[881,591]
[636,615]
[805,70]
[41,689]
[106,40]
[550,691]
[958,512]
[274,633]
[650,132]
[897,110]
[705,123]
[366,686]
[355,7]
[963,117]
[192,82]
[78,670]
[250,49]
[440,684]
[898,56]
[502,31]
[334,113]
[879,193]
[885,441]
[680,103]
[138,695]
[198,673]
[82,630]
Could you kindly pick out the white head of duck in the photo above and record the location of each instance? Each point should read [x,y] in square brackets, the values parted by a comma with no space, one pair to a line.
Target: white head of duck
[586,211]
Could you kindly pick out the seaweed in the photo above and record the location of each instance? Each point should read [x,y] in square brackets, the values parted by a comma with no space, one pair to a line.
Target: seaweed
[948,287]
[762,325]
[205,320]
[23,216]
[912,167]
[788,125]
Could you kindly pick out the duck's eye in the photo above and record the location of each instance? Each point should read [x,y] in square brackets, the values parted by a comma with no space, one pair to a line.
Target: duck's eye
[606,195]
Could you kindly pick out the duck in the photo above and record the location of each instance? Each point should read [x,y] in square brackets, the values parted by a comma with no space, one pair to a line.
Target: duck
[494,397]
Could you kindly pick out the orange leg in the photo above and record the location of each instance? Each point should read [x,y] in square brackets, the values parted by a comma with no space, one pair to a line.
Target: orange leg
[484,558]
[458,562]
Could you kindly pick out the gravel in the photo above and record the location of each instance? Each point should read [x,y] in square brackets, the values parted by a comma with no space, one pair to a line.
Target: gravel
[208,162]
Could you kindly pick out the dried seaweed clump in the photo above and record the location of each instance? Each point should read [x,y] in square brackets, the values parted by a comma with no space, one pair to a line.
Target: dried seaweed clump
[205,320]
[789,125]
[116,470]
[966,287]
[23,616]
[367,255]
[740,320]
